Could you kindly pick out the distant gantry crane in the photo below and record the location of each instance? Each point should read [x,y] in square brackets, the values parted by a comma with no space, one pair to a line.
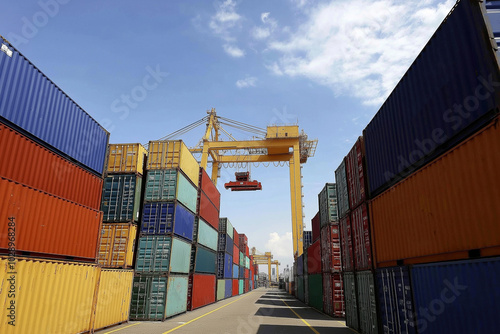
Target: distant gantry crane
[266,260]
[282,144]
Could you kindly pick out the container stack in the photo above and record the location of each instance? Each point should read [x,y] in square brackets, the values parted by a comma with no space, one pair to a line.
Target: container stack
[51,174]
[236,263]
[160,288]
[307,235]
[331,268]
[244,267]
[203,270]
[432,212]
[225,259]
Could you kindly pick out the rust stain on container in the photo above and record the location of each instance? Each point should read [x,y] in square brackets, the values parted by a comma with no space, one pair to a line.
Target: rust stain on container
[451,206]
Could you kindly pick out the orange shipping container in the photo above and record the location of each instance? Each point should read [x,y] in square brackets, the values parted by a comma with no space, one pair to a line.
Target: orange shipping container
[46,225]
[449,209]
[116,248]
[27,162]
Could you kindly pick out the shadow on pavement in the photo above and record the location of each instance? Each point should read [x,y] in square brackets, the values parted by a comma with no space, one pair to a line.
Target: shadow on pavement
[277,329]
[305,313]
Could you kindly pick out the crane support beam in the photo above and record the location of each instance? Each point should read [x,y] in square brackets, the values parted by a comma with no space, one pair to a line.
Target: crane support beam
[254,158]
[238,145]
[296,197]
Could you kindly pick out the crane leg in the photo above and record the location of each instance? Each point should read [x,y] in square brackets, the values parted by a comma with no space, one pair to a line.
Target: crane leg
[296,198]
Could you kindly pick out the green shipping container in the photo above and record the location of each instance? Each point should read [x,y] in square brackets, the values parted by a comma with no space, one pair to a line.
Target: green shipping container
[300,288]
[315,287]
[207,235]
[170,184]
[351,304]
[366,302]
[241,286]
[203,260]
[162,254]
[158,297]
[247,262]
[221,289]
[242,259]
[121,198]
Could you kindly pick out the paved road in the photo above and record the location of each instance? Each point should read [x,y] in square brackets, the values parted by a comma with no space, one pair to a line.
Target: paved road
[262,311]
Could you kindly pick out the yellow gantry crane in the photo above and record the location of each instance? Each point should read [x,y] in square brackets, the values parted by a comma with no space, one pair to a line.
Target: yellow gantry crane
[277,144]
[265,259]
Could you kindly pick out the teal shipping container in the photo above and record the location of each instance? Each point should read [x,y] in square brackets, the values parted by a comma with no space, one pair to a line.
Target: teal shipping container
[315,288]
[221,289]
[162,254]
[121,198]
[366,302]
[241,286]
[225,226]
[203,260]
[207,235]
[158,297]
[351,303]
[170,184]
[242,259]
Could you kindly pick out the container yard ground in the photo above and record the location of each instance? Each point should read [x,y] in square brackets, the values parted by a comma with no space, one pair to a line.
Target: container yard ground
[262,311]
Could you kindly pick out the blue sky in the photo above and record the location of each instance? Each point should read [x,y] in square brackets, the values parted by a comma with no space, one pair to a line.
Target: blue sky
[144,69]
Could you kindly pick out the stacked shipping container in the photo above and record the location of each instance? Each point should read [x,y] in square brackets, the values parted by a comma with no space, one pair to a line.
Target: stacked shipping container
[428,178]
[225,259]
[162,265]
[51,173]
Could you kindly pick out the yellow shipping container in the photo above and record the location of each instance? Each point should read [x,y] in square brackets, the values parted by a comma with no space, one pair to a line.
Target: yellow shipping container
[113,297]
[126,158]
[172,154]
[116,249]
[46,297]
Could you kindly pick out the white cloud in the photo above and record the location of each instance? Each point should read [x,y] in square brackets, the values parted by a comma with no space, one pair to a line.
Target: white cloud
[225,19]
[233,51]
[247,82]
[264,31]
[280,246]
[359,48]
[264,16]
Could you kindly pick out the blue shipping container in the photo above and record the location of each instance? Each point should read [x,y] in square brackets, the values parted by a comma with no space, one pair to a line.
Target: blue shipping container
[228,266]
[307,237]
[225,243]
[395,300]
[166,217]
[457,297]
[35,105]
[300,265]
[228,288]
[236,270]
[448,93]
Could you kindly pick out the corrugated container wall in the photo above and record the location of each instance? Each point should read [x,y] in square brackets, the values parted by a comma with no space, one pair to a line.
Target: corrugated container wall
[459,297]
[166,218]
[221,289]
[308,239]
[355,171]
[113,297]
[32,102]
[330,249]
[48,225]
[351,303]
[40,288]
[342,192]
[116,248]
[34,165]
[327,200]
[362,246]
[209,188]
[225,226]
[315,289]
[314,258]
[203,260]
[173,154]
[208,211]
[395,301]
[126,158]
[235,287]
[346,242]
[315,226]
[448,93]
[208,237]
[202,290]
[121,198]
[367,306]
[160,254]
[448,207]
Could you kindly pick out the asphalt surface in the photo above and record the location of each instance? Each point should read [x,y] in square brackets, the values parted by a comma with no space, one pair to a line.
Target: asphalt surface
[262,311]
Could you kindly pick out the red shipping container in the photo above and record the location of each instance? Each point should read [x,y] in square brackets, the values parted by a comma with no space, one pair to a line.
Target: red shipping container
[236,287]
[355,172]
[247,251]
[201,290]
[247,273]
[315,225]
[346,244]
[29,163]
[247,286]
[333,295]
[236,255]
[243,242]
[236,238]
[362,247]
[208,211]
[209,188]
[292,288]
[330,249]
[314,258]
[47,226]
